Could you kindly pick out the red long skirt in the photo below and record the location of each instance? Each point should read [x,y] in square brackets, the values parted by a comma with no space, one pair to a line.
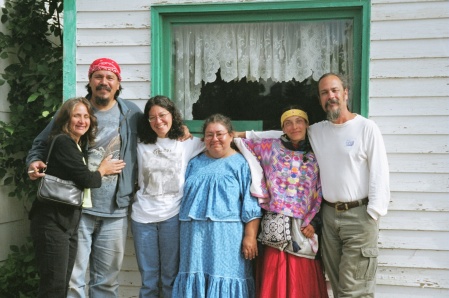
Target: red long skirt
[282,275]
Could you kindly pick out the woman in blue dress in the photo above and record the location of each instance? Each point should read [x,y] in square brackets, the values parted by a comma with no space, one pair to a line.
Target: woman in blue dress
[219,220]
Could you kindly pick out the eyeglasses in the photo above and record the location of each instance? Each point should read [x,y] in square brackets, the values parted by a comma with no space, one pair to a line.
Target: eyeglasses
[160,116]
[219,135]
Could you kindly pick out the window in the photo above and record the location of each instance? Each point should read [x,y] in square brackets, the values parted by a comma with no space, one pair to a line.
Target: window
[265,43]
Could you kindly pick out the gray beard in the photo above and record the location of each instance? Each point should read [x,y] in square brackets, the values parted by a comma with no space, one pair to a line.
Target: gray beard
[333,115]
[101,101]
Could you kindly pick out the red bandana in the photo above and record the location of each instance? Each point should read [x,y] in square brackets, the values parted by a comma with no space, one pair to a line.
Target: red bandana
[105,64]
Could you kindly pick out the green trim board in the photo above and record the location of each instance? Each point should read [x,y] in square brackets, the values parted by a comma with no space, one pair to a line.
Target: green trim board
[196,126]
[365,54]
[164,17]
[69,50]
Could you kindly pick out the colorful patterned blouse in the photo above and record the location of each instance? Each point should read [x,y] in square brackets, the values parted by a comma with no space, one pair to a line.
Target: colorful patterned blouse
[291,179]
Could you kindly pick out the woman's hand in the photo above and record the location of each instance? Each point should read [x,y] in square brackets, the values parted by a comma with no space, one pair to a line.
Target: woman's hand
[249,247]
[308,231]
[240,134]
[111,166]
[35,170]
[187,134]
[249,243]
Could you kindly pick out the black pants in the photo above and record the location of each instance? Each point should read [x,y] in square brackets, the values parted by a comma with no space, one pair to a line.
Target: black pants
[55,238]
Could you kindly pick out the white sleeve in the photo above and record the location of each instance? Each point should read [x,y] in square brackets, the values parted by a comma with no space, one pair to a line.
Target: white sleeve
[269,134]
[379,186]
[193,147]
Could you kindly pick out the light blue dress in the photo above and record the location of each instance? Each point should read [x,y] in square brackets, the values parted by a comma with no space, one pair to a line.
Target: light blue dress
[216,205]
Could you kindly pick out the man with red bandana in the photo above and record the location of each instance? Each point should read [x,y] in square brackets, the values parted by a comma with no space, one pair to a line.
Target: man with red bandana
[103,227]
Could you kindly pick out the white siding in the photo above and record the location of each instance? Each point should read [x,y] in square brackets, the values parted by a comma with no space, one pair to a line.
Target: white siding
[119,30]
[409,100]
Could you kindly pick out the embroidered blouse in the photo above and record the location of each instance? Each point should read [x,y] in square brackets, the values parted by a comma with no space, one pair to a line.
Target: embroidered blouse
[292,184]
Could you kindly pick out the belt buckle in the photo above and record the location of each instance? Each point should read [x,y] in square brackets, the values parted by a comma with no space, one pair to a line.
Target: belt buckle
[341,207]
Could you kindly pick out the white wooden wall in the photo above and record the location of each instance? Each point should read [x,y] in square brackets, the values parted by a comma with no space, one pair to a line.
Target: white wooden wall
[409,100]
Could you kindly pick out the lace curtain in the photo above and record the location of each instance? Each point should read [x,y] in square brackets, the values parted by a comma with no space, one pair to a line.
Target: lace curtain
[257,51]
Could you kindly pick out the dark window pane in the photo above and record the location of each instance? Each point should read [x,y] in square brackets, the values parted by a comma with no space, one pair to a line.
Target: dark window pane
[263,100]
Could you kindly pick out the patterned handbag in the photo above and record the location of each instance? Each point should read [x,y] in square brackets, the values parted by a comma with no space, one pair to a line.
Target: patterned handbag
[284,233]
[274,230]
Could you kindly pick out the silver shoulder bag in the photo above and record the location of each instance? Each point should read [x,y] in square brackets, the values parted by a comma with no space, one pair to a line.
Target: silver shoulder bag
[56,190]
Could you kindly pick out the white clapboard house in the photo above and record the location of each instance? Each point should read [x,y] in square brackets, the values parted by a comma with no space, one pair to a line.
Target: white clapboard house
[394,52]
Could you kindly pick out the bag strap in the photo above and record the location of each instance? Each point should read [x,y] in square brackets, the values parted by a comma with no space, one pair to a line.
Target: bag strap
[49,151]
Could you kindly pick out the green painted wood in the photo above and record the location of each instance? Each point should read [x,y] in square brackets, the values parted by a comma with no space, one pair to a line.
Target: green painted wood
[164,17]
[364,67]
[196,126]
[69,50]
[252,7]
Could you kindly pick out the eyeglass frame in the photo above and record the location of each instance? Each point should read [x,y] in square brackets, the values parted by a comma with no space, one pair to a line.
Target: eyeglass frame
[219,135]
[160,116]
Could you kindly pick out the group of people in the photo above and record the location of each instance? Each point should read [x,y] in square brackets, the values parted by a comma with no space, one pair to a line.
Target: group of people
[205,211]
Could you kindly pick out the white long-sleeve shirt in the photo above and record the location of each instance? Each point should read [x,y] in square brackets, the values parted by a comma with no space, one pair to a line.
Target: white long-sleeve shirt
[353,162]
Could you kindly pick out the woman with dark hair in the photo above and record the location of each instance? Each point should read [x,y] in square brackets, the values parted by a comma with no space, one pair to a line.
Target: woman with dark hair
[162,160]
[54,226]
[219,220]
[289,191]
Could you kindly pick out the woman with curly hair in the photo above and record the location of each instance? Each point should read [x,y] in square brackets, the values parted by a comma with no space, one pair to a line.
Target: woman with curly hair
[162,161]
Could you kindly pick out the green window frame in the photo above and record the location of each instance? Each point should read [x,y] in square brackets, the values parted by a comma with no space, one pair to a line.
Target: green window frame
[164,17]
[69,50]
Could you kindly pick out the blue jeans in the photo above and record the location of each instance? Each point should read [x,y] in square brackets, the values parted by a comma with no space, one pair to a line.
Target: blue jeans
[101,245]
[157,253]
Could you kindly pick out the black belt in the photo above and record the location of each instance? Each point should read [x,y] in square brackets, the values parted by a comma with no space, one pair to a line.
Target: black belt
[339,206]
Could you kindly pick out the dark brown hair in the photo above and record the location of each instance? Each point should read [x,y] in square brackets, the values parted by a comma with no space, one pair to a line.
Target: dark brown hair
[218,118]
[144,130]
[342,79]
